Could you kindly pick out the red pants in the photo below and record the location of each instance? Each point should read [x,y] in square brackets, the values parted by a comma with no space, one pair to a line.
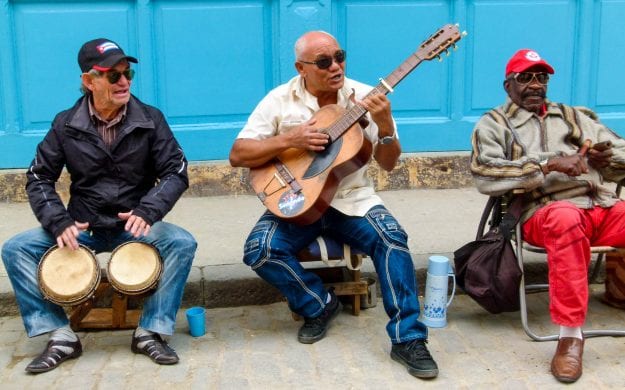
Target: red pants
[567,233]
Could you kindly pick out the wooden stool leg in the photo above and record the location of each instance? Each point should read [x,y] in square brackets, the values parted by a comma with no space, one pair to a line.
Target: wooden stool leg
[356,297]
[119,304]
[86,316]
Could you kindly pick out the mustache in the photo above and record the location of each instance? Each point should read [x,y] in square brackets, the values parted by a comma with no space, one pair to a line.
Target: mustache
[540,93]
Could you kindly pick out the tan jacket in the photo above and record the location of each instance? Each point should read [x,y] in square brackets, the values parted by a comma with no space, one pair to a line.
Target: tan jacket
[509,143]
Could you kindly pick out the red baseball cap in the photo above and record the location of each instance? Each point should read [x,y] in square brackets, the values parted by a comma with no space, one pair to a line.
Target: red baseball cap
[525,59]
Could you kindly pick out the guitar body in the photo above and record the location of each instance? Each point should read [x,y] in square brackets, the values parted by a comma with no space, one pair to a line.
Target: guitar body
[298,185]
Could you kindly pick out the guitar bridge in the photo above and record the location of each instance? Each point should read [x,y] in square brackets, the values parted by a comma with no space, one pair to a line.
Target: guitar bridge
[274,185]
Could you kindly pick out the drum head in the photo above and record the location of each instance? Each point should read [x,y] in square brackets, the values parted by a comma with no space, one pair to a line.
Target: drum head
[134,268]
[68,277]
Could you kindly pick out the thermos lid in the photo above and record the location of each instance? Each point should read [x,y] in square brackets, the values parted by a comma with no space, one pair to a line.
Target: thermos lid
[438,265]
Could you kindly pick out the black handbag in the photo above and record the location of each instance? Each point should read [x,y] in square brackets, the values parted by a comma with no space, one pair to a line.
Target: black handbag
[487,268]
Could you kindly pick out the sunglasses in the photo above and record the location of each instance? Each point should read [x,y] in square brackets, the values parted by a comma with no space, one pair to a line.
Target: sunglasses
[325,62]
[113,76]
[527,77]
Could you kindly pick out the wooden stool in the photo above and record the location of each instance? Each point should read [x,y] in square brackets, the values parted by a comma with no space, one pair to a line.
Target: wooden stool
[338,266]
[118,316]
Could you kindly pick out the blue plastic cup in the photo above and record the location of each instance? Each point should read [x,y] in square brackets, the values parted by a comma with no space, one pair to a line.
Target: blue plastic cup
[196,316]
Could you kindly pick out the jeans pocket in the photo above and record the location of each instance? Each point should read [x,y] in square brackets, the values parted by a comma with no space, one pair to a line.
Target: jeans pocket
[255,248]
[388,226]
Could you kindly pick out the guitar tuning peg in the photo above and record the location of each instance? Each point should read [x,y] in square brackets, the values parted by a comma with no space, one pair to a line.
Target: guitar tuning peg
[439,58]
[457,24]
[464,33]
[447,53]
[455,47]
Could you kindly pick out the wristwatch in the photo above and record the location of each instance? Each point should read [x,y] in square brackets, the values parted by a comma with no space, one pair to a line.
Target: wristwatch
[388,139]
[543,165]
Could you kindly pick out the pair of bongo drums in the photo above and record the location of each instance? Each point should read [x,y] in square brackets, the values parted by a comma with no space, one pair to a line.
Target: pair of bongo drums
[69,277]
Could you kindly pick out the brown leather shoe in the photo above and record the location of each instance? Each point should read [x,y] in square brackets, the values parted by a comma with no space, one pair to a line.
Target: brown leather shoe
[566,365]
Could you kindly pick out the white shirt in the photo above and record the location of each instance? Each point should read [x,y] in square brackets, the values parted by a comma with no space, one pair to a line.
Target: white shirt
[289,105]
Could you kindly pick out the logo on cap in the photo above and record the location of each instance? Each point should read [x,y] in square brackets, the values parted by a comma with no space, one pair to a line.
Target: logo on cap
[106,46]
[532,56]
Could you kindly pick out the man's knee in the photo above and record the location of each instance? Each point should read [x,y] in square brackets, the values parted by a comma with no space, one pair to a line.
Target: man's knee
[256,246]
[388,227]
[11,249]
[562,217]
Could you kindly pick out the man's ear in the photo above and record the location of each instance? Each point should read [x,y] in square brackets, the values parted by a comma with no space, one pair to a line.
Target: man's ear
[506,86]
[87,81]
[299,68]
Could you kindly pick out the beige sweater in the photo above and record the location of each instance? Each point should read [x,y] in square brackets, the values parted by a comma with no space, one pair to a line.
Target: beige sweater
[527,139]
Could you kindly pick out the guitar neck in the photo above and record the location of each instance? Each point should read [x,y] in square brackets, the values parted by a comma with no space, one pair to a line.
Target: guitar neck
[385,86]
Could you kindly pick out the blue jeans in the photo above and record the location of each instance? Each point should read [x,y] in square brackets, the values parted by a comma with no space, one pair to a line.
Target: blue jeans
[271,247]
[21,256]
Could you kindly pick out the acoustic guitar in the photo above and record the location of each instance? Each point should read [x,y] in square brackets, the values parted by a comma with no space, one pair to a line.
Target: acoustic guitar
[298,185]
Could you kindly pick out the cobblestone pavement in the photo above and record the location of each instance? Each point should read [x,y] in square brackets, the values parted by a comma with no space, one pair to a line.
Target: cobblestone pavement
[255,347]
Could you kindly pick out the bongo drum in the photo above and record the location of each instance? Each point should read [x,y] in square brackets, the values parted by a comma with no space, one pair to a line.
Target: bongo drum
[68,277]
[134,268]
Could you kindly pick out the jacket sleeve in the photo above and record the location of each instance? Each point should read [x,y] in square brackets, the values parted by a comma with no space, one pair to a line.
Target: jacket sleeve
[616,170]
[171,168]
[42,175]
[494,173]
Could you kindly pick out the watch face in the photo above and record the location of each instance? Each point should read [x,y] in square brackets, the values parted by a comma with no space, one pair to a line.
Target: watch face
[386,140]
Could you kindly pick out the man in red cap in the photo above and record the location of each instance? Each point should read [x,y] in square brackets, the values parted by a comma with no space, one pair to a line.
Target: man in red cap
[532,144]
[127,172]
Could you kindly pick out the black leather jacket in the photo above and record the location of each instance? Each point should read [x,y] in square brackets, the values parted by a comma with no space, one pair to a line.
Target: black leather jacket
[145,170]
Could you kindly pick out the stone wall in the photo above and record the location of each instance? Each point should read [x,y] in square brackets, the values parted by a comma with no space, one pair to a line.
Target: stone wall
[430,170]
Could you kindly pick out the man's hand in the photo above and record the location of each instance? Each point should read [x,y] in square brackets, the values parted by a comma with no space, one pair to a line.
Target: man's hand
[306,136]
[600,155]
[573,165]
[70,235]
[135,224]
[380,109]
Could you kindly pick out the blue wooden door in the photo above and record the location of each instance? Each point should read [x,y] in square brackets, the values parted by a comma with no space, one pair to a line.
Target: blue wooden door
[206,64]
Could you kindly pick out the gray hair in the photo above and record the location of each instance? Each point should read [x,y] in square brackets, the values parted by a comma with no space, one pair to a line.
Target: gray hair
[94,72]
[302,42]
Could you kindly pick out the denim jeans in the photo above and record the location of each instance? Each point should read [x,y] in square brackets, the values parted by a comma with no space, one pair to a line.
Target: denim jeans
[271,247]
[22,253]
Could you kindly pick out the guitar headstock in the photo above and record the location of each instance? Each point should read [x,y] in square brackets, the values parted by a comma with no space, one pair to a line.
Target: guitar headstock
[440,42]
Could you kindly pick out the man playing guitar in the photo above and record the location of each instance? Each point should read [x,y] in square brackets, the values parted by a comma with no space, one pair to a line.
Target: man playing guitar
[288,118]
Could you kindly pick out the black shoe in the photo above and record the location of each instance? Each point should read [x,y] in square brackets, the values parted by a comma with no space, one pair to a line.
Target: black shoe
[156,348]
[415,356]
[52,356]
[314,329]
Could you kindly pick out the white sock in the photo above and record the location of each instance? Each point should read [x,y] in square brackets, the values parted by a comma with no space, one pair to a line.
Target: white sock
[569,331]
[328,298]
[140,332]
[64,333]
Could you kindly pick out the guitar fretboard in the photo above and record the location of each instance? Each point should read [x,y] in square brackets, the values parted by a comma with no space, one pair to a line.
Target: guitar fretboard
[356,112]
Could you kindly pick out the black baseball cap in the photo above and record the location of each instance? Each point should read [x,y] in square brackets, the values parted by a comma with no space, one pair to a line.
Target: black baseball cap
[101,54]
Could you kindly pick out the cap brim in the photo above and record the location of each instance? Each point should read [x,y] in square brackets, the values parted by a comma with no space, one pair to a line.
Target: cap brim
[113,60]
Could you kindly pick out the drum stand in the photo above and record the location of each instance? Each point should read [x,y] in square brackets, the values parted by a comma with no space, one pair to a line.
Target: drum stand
[118,316]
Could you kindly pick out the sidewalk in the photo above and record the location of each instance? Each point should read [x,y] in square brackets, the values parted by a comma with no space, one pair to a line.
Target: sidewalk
[255,347]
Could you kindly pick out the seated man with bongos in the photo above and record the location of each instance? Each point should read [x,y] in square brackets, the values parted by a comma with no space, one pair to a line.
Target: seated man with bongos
[127,171]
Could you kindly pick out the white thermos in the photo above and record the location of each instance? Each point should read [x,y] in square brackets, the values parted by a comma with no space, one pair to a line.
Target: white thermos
[435,303]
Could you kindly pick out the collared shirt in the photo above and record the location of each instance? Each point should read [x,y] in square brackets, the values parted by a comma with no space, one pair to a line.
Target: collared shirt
[290,105]
[107,129]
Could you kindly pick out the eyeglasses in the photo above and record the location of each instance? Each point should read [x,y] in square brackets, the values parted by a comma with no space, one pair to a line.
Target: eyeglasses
[325,62]
[113,76]
[527,77]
